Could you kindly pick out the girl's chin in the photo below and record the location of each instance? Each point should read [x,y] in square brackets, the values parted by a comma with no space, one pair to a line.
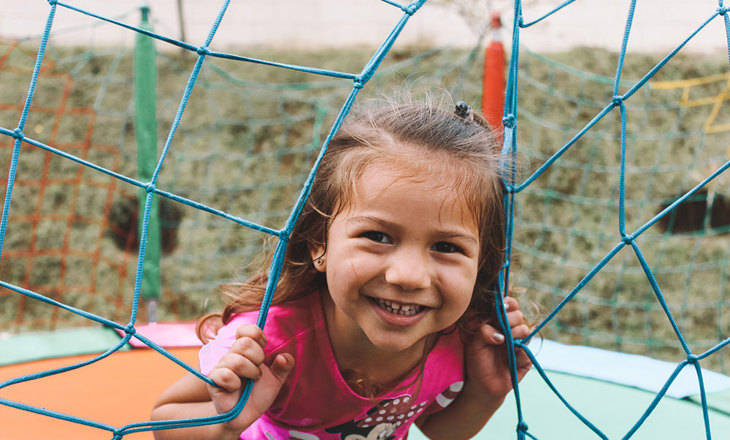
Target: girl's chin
[396,344]
[396,349]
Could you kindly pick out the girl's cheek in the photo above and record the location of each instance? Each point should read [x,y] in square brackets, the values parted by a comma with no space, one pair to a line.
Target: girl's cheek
[463,277]
[363,267]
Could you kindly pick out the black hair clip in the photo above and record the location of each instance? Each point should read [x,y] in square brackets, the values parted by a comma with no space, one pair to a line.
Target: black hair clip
[463,110]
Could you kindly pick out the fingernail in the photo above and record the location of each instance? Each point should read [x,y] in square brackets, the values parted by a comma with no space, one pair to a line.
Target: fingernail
[284,361]
[499,337]
[282,366]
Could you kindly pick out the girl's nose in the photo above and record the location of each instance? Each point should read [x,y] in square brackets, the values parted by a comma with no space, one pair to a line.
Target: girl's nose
[409,270]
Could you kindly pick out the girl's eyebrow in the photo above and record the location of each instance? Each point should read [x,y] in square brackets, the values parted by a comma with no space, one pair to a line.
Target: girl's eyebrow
[458,235]
[370,219]
[449,234]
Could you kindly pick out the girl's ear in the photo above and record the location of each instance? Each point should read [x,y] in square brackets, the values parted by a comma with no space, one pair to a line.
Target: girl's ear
[319,257]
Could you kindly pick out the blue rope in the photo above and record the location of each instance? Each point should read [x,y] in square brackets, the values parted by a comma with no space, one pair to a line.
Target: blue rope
[548,14]
[617,101]
[557,393]
[18,132]
[624,45]
[358,82]
[126,179]
[656,400]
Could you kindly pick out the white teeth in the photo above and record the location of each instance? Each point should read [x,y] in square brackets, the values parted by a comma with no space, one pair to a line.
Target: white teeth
[398,308]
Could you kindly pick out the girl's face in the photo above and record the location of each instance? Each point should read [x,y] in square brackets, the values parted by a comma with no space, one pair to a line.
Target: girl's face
[401,260]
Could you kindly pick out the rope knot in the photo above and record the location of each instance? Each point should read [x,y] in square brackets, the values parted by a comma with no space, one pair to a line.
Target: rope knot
[522,426]
[130,330]
[617,99]
[723,10]
[509,121]
[627,239]
[410,9]
[150,187]
[692,359]
[358,83]
[52,2]
[202,50]
[18,134]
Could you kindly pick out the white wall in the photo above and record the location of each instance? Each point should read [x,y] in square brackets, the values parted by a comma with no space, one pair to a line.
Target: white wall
[277,23]
[659,25]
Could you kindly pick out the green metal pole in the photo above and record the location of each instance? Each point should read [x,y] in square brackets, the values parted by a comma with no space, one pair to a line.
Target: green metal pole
[145,119]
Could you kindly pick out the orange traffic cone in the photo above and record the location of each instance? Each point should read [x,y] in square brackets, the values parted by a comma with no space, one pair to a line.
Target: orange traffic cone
[493,81]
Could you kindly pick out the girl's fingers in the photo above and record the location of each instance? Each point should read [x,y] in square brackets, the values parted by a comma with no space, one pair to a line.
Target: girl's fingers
[510,303]
[225,378]
[516,320]
[243,360]
[251,331]
[244,366]
[249,349]
[282,366]
[514,314]
[520,331]
[491,334]
[523,361]
[495,336]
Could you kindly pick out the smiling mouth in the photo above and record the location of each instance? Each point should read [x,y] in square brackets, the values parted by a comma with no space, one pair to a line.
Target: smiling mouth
[398,308]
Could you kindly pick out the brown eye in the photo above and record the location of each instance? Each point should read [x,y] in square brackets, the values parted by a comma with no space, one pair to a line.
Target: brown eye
[377,237]
[445,247]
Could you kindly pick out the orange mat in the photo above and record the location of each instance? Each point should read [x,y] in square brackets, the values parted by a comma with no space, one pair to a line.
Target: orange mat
[117,391]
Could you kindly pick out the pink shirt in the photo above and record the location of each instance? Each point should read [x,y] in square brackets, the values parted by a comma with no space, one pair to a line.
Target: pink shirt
[315,403]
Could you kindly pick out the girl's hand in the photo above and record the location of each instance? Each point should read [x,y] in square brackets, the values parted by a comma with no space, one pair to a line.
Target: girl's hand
[245,361]
[487,367]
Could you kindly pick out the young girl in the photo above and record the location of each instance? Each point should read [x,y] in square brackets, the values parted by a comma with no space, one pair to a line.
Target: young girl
[384,314]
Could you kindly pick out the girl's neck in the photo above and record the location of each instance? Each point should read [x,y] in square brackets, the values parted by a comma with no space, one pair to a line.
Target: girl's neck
[354,352]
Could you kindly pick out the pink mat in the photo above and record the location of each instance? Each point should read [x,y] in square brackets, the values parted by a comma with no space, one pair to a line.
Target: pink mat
[167,334]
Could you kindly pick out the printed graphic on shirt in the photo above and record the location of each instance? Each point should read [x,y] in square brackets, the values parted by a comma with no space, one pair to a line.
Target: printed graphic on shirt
[381,421]
[449,394]
[296,435]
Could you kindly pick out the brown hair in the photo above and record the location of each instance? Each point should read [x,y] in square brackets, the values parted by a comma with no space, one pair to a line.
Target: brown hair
[464,148]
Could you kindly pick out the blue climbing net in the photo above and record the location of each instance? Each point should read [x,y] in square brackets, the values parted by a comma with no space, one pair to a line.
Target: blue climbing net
[624,239]
[203,52]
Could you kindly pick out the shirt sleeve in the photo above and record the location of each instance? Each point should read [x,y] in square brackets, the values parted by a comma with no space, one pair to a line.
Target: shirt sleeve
[213,351]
